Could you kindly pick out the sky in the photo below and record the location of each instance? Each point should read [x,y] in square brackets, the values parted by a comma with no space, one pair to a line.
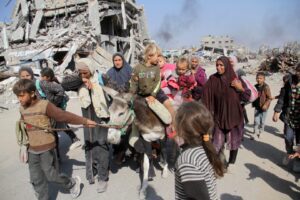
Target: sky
[182,23]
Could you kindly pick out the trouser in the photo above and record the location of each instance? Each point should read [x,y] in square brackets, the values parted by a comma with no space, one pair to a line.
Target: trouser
[42,169]
[259,120]
[97,161]
[290,134]
[70,133]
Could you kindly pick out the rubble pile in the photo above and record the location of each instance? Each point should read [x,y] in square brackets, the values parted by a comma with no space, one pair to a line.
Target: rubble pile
[277,60]
[55,33]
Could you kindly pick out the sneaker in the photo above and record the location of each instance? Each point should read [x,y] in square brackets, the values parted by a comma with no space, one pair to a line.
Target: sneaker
[102,186]
[76,143]
[75,190]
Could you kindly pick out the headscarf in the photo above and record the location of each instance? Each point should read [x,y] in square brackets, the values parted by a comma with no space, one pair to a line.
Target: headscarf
[235,61]
[85,64]
[120,76]
[222,99]
[96,95]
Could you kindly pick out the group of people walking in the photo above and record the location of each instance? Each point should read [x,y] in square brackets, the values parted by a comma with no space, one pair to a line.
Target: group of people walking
[207,113]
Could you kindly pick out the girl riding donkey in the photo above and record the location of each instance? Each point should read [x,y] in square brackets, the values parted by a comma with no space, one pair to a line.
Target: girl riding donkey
[145,82]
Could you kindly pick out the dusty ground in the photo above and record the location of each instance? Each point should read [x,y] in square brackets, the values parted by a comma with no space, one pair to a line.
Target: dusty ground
[257,175]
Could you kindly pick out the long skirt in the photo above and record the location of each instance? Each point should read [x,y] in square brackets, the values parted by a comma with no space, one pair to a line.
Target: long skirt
[233,137]
[96,148]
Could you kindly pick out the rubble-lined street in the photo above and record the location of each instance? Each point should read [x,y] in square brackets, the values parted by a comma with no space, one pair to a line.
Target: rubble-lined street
[258,173]
[71,49]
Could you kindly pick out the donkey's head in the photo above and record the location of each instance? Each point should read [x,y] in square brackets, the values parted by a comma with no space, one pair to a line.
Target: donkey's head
[121,114]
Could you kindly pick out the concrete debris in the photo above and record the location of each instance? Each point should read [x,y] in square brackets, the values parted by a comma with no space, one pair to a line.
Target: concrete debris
[282,60]
[55,33]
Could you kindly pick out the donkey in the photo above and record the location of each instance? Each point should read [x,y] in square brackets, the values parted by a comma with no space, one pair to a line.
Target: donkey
[126,109]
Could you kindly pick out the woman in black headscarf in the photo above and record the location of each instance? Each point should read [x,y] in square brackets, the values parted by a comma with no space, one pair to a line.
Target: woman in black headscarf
[119,75]
[222,95]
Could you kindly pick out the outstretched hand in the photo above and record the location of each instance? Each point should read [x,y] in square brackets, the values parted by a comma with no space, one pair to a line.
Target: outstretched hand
[150,99]
[237,84]
[90,123]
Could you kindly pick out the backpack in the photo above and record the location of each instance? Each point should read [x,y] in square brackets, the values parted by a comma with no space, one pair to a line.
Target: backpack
[63,104]
[254,93]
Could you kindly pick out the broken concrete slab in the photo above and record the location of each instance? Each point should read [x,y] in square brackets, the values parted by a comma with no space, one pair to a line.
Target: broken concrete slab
[93,8]
[35,24]
[18,35]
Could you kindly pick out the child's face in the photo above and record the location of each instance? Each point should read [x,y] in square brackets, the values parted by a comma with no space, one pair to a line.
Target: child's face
[25,98]
[161,61]
[153,59]
[25,75]
[118,62]
[260,79]
[182,68]
[45,78]
[85,73]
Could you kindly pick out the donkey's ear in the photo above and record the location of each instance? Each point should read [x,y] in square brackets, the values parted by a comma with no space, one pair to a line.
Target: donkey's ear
[111,92]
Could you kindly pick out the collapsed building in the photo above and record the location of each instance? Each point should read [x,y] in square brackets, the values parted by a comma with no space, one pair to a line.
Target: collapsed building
[282,60]
[54,33]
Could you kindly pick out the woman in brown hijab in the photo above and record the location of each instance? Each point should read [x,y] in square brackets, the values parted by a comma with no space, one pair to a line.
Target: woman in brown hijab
[222,95]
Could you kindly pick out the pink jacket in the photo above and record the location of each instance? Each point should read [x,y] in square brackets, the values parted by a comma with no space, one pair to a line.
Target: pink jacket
[166,73]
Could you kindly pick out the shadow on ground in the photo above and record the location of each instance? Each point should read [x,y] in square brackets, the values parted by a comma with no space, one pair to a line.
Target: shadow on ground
[230,197]
[152,195]
[286,187]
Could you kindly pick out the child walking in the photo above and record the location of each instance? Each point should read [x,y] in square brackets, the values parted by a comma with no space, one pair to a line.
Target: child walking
[55,93]
[198,164]
[41,158]
[261,104]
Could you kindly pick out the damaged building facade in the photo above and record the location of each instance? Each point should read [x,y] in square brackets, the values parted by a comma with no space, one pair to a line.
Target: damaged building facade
[55,33]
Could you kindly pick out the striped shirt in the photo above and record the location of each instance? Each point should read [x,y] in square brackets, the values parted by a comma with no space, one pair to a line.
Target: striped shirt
[193,165]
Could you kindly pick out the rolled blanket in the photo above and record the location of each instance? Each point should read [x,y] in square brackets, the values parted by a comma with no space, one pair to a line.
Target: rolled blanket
[161,111]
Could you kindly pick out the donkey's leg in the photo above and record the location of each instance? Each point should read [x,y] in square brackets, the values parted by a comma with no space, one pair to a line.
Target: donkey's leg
[164,158]
[146,164]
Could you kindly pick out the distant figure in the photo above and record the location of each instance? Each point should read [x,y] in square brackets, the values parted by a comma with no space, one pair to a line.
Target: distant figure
[288,107]
[200,77]
[198,164]
[222,95]
[261,104]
